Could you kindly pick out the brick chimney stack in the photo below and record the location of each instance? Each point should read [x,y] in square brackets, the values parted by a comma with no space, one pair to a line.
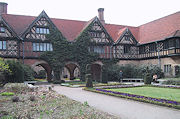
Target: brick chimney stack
[101,15]
[3,8]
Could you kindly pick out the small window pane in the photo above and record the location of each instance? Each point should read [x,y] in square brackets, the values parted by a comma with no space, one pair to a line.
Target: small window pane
[41,46]
[45,47]
[48,47]
[37,46]
[4,45]
[47,31]
[2,29]
[34,47]
[44,30]
[1,45]
[51,49]
[37,30]
[41,30]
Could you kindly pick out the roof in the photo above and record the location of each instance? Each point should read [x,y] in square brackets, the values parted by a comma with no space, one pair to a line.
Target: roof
[69,28]
[19,23]
[150,32]
[159,29]
[116,31]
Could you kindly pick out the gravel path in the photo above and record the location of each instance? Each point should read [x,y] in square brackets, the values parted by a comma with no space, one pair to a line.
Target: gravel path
[123,108]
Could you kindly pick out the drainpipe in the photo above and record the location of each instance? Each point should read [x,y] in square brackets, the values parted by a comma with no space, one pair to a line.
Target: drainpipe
[159,60]
[22,49]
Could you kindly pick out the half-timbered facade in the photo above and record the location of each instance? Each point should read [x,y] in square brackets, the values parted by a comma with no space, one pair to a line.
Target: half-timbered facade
[102,41]
[157,42]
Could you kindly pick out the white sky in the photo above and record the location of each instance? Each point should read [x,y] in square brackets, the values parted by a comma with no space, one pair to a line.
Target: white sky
[122,12]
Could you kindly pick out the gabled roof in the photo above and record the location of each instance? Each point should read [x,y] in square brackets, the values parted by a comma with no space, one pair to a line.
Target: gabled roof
[86,25]
[116,31]
[9,28]
[18,22]
[121,34]
[159,29]
[69,28]
[150,32]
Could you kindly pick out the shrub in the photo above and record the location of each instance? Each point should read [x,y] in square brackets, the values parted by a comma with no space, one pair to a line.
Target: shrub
[7,94]
[15,99]
[7,117]
[172,82]
[88,77]
[32,98]
[4,69]
[19,72]
[57,82]
[40,75]
[111,73]
[105,76]
[89,80]
[147,77]
[28,73]
[131,71]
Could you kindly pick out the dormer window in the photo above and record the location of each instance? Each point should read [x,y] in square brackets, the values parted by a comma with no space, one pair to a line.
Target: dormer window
[2,30]
[40,30]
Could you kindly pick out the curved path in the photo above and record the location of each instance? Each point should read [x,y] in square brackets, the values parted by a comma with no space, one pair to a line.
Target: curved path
[122,108]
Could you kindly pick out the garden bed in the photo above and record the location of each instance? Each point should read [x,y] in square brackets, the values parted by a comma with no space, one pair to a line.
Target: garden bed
[77,84]
[47,105]
[124,92]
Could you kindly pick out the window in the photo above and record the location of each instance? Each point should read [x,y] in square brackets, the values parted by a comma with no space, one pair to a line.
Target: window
[167,68]
[165,45]
[42,30]
[98,49]
[177,43]
[2,45]
[141,50]
[127,49]
[2,30]
[171,43]
[42,47]
[127,37]
[152,47]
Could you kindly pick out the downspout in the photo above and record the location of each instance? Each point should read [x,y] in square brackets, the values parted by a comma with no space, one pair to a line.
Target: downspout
[159,60]
[22,49]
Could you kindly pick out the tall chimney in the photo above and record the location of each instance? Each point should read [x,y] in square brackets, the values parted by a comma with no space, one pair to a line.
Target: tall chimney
[3,8]
[101,14]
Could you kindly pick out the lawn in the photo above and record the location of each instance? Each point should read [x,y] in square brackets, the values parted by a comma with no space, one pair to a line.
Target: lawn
[83,84]
[155,92]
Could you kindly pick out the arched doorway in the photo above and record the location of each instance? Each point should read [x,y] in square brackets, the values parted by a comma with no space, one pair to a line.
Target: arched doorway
[96,72]
[65,74]
[73,70]
[43,66]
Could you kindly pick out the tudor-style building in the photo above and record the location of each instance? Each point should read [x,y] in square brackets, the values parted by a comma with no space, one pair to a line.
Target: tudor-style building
[157,42]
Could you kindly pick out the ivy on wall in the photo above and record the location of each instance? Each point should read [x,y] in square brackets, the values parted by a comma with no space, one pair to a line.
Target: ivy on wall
[64,51]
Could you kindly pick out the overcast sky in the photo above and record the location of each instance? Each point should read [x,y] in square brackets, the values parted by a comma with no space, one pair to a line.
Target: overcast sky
[122,12]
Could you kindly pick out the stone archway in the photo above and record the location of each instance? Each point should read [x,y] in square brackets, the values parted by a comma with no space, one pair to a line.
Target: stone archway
[73,69]
[45,66]
[96,71]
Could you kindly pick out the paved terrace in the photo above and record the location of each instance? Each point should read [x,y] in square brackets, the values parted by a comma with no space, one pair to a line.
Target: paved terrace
[123,108]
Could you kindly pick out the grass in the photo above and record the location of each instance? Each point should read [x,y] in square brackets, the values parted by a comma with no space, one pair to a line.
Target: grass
[83,84]
[171,78]
[41,80]
[7,94]
[155,92]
